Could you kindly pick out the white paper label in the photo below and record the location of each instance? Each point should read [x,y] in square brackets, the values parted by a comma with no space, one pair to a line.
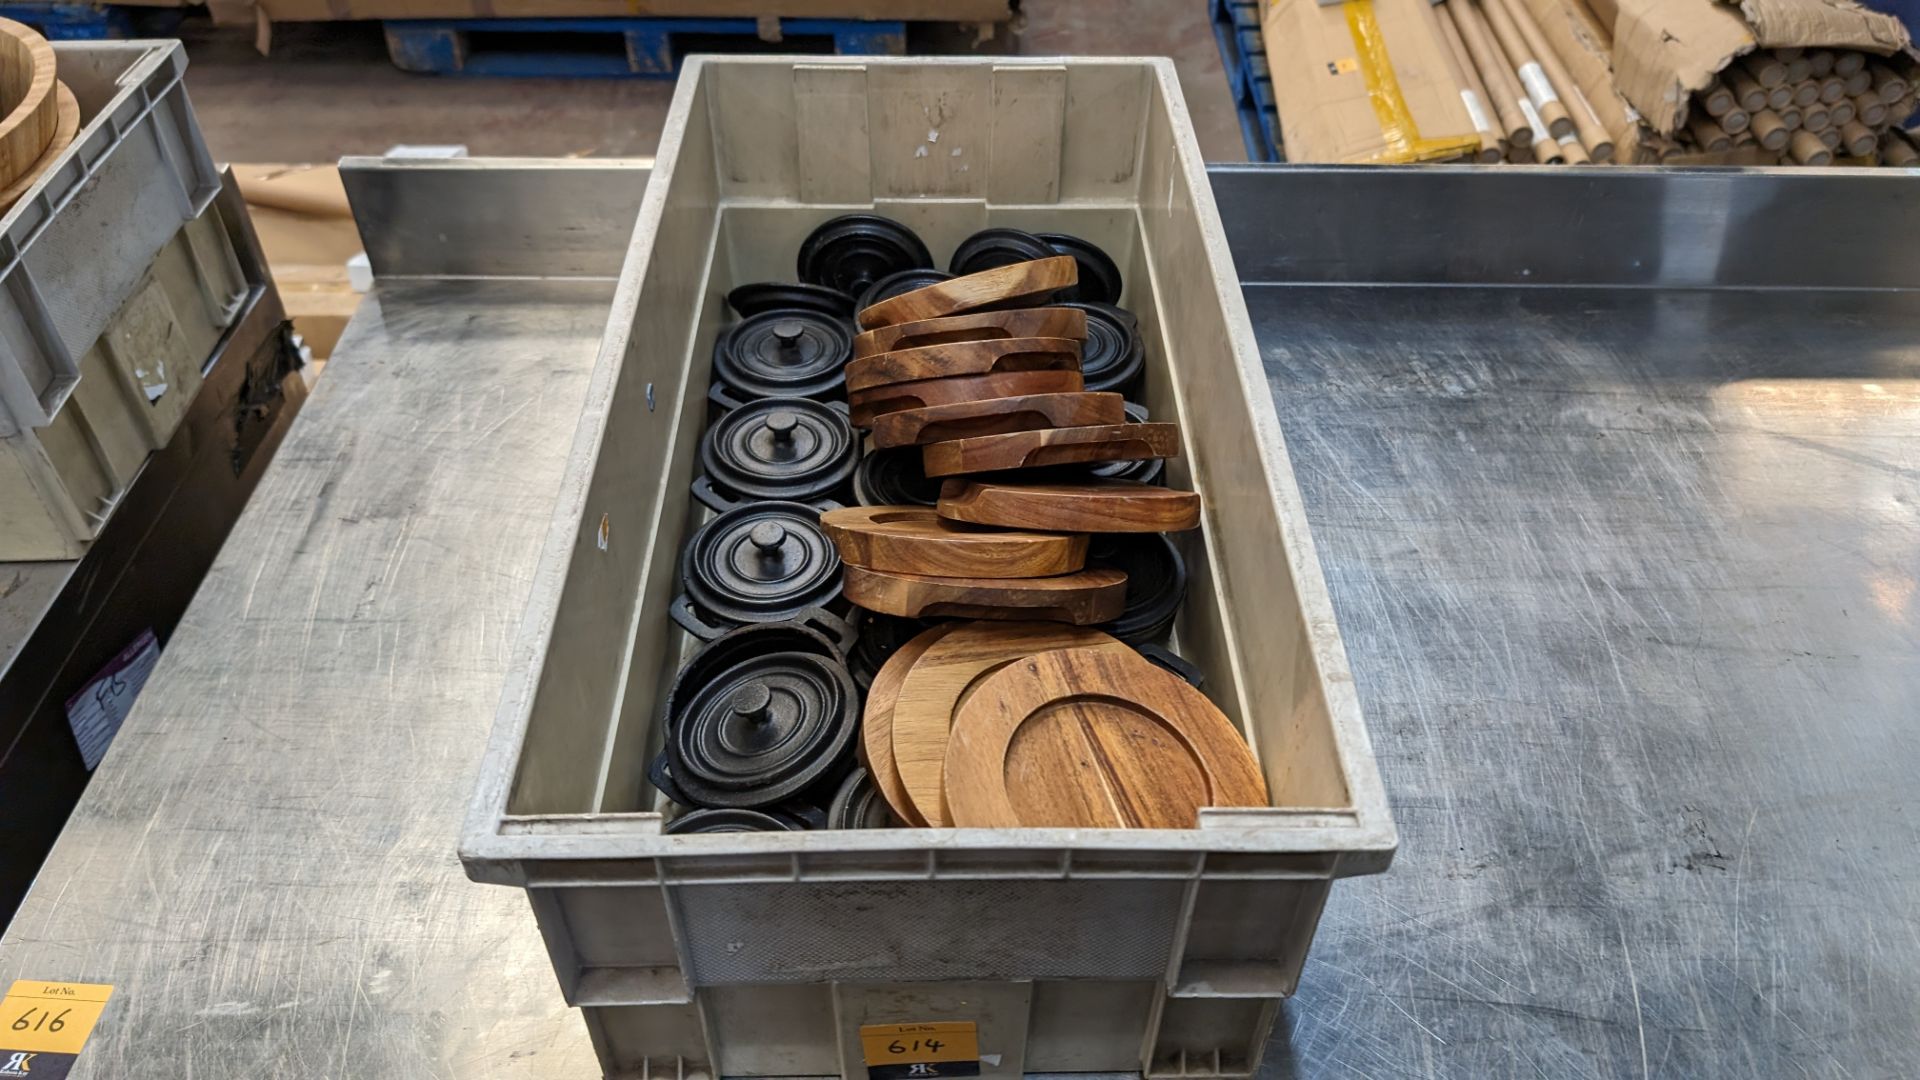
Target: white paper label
[1540,132]
[98,710]
[1538,88]
[1480,121]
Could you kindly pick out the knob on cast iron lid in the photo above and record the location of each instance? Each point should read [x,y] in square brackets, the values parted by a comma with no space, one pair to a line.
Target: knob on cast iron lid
[851,252]
[792,449]
[758,562]
[761,715]
[782,353]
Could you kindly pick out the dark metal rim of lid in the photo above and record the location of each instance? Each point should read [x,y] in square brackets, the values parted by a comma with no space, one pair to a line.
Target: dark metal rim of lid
[852,251]
[894,477]
[990,248]
[1156,582]
[1100,280]
[899,284]
[1114,355]
[740,452]
[762,296]
[760,562]
[725,820]
[858,805]
[784,354]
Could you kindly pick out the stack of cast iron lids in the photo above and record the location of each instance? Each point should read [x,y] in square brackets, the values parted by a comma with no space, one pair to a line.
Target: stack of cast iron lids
[1003,566]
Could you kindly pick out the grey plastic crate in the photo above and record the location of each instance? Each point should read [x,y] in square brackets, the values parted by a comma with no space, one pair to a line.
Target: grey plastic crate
[75,245]
[1086,950]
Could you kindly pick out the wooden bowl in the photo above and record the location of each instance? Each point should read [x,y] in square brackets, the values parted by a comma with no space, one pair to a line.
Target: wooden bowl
[62,138]
[32,108]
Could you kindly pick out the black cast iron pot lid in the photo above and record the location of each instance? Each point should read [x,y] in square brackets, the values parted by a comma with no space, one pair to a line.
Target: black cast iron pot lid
[1148,471]
[990,248]
[894,477]
[763,296]
[760,716]
[858,805]
[784,354]
[899,284]
[792,449]
[1114,356]
[727,821]
[878,637]
[1100,281]
[851,252]
[760,562]
[1156,582]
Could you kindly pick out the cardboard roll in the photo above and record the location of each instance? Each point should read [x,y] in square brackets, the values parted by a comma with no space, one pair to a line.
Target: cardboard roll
[1114,356]
[1044,322]
[893,478]
[1104,506]
[962,359]
[1093,738]
[996,416]
[760,562]
[868,405]
[1156,583]
[727,821]
[858,805]
[877,638]
[917,540]
[1027,282]
[789,449]
[1052,446]
[764,296]
[917,719]
[761,716]
[781,354]
[853,251]
[1083,599]
[1100,281]
[991,248]
[897,284]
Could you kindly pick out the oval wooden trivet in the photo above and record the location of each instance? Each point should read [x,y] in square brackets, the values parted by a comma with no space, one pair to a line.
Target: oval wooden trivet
[1108,506]
[1058,322]
[1083,598]
[996,416]
[916,540]
[1092,738]
[1001,285]
[876,723]
[1054,446]
[943,677]
[964,358]
[867,405]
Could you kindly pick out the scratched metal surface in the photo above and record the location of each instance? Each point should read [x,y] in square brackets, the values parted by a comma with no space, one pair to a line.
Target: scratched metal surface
[1628,580]
[264,865]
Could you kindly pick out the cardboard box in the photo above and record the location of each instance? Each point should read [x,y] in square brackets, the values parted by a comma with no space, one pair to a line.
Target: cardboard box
[247,12]
[1364,82]
[1665,50]
[306,230]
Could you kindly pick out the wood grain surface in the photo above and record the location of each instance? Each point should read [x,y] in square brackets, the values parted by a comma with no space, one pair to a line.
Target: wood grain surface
[1054,322]
[1108,506]
[996,416]
[943,677]
[876,723]
[1092,738]
[1036,280]
[1051,446]
[67,127]
[1084,598]
[27,97]
[867,405]
[964,358]
[916,540]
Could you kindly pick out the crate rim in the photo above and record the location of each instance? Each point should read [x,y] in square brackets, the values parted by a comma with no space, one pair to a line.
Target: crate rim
[493,852]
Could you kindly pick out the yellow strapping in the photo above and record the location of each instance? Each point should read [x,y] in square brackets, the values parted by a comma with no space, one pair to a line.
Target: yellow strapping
[1402,136]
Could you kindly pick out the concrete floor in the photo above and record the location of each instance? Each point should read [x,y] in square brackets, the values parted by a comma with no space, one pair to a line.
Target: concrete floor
[328,90]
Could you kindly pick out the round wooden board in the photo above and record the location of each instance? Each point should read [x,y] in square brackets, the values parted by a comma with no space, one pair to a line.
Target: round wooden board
[1001,285]
[27,67]
[876,725]
[62,138]
[996,416]
[868,405]
[1107,506]
[1046,322]
[1053,446]
[917,540]
[942,678]
[1083,599]
[964,358]
[1092,738]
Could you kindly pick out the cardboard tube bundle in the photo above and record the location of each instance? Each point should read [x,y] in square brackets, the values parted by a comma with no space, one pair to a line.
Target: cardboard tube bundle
[1814,106]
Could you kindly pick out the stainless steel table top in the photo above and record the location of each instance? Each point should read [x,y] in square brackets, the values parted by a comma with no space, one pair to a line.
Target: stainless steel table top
[1627,573]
